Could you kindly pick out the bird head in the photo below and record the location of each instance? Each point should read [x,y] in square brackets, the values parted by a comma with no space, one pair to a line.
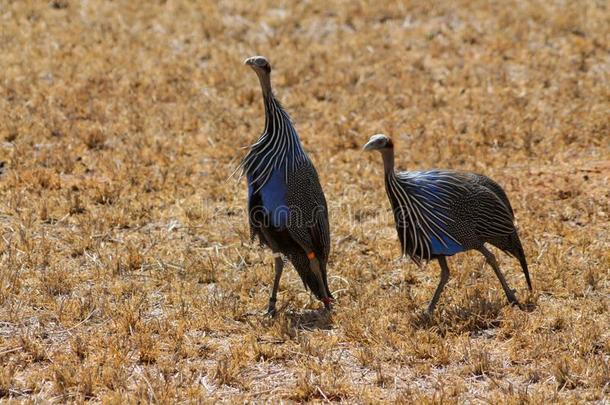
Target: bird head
[379,142]
[260,64]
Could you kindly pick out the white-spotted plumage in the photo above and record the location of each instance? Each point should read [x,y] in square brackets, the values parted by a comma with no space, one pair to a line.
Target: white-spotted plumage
[439,213]
[286,205]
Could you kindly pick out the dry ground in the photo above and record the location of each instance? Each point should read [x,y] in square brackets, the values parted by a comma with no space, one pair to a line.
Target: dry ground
[126,270]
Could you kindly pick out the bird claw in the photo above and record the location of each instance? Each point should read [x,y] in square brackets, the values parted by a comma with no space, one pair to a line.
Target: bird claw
[271,312]
[423,318]
[515,302]
[327,303]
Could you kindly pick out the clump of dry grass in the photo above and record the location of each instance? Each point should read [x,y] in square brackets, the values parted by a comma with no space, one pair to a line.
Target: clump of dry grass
[126,270]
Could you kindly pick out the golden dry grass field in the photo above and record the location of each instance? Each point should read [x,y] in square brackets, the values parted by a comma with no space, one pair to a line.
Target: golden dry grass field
[126,268]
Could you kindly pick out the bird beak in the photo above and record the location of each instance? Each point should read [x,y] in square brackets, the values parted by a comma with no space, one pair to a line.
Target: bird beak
[248,62]
[370,145]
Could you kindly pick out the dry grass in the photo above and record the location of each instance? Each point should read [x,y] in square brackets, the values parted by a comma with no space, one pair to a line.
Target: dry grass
[126,270]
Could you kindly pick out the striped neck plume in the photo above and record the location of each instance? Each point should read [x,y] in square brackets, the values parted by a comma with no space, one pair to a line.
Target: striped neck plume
[278,147]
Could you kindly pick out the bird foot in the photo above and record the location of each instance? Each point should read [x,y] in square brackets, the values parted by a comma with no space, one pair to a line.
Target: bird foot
[271,312]
[422,319]
[514,302]
[327,303]
[512,298]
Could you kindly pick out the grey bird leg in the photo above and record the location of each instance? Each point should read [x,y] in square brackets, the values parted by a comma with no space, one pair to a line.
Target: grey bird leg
[279,267]
[442,261]
[491,259]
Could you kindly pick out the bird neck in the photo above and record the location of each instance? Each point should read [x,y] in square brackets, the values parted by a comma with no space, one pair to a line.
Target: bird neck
[265,81]
[279,144]
[388,161]
[271,103]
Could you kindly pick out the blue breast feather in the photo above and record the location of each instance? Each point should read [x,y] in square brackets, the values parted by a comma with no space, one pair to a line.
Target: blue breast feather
[429,190]
[439,249]
[273,196]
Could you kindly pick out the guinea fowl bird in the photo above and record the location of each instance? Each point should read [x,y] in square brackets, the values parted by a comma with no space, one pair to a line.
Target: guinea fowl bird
[439,213]
[286,205]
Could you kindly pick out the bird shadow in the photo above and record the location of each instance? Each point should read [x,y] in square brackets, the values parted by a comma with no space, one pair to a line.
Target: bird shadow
[477,314]
[318,319]
[289,321]
[474,317]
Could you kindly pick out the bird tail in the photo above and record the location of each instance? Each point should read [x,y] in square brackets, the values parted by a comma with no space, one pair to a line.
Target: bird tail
[301,264]
[517,251]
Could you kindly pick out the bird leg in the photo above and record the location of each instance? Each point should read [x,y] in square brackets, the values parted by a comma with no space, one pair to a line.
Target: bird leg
[442,261]
[279,266]
[491,259]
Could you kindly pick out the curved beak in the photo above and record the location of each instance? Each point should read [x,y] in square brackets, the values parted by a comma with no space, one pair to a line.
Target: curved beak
[249,61]
[370,145]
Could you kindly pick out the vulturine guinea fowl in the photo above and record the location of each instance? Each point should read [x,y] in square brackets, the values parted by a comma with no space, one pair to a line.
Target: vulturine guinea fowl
[286,205]
[439,213]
